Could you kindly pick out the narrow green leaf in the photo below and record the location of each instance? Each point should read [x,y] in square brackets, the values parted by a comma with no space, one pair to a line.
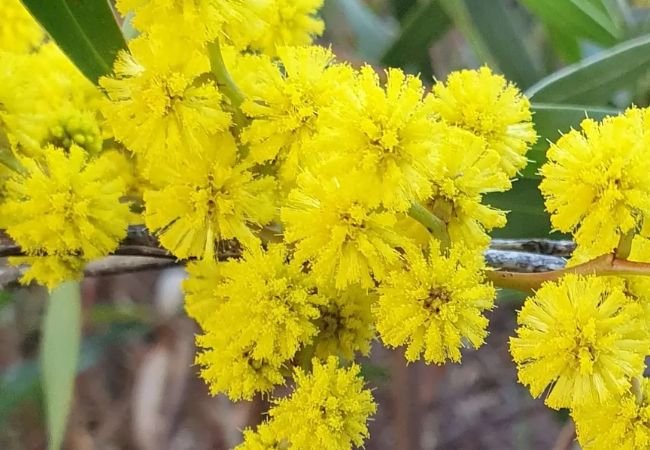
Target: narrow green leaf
[59,356]
[85,30]
[402,7]
[503,34]
[596,79]
[372,34]
[423,24]
[551,120]
[586,19]
[460,15]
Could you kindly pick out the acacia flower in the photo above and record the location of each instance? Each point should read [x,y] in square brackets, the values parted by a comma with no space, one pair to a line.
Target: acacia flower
[435,304]
[158,105]
[264,310]
[208,196]
[63,211]
[595,182]
[466,169]
[341,237]
[328,409]
[580,339]
[288,22]
[490,107]
[387,138]
[622,423]
[286,103]
[345,323]
[19,33]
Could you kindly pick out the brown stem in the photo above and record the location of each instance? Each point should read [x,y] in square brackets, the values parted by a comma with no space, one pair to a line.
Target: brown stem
[603,265]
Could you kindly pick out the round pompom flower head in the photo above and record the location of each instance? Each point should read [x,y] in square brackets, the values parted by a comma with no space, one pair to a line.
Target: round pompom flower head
[595,183]
[435,304]
[328,409]
[490,107]
[64,211]
[622,423]
[581,339]
[209,197]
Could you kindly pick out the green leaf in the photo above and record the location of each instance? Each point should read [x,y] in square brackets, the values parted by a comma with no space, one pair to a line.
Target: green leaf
[459,13]
[502,33]
[551,120]
[423,24]
[372,34]
[85,30]
[59,356]
[596,79]
[586,19]
[402,7]
[527,217]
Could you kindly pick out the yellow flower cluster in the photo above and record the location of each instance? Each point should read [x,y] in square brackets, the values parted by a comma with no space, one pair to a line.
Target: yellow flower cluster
[585,340]
[328,410]
[62,195]
[318,206]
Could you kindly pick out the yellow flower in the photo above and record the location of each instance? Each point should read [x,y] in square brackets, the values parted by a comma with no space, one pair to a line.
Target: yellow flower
[328,409]
[345,323]
[262,306]
[202,288]
[67,208]
[462,177]
[288,22]
[435,304]
[622,423]
[388,138]
[158,106]
[285,103]
[234,371]
[264,437]
[196,22]
[579,339]
[342,238]
[595,183]
[208,196]
[19,33]
[490,107]
[45,100]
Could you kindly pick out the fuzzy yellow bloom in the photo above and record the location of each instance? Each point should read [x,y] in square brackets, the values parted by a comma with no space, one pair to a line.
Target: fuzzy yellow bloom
[285,103]
[66,208]
[328,410]
[388,138]
[595,183]
[580,340]
[465,170]
[158,106]
[202,289]
[342,238]
[45,100]
[623,423]
[208,196]
[196,21]
[264,437]
[288,22]
[345,323]
[262,307]
[435,304]
[490,107]
[234,371]
[19,32]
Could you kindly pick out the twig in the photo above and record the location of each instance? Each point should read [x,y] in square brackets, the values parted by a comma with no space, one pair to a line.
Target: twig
[540,246]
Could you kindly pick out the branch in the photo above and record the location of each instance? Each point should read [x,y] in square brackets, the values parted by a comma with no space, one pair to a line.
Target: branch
[603,265]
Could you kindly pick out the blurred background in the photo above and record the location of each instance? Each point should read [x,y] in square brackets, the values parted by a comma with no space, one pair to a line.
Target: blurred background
[136,385]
